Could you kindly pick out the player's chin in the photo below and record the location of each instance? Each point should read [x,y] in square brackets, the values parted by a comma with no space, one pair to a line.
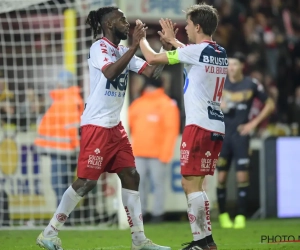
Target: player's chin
[124,36]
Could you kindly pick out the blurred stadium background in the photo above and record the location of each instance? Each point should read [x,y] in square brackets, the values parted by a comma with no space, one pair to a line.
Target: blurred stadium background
[40,38]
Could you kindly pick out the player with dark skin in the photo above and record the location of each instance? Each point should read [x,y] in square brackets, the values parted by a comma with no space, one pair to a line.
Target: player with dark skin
[111,24]
[116,28]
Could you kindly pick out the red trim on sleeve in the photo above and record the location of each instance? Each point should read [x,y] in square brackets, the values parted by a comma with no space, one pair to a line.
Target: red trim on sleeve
[109,63]
[143,68]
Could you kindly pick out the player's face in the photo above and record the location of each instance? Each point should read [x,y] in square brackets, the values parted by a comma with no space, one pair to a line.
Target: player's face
[120,25]
[190,29]
[235,67]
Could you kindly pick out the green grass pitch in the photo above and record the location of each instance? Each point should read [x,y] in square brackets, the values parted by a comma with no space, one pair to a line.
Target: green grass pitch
[171,234]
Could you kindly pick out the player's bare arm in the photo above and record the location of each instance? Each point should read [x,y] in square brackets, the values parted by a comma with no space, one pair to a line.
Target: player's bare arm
[150,55]
[266,111]
[115,69]
[155,70]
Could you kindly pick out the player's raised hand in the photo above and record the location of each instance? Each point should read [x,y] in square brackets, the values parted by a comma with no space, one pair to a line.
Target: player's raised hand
[166,45]
[138,33]
[168,32]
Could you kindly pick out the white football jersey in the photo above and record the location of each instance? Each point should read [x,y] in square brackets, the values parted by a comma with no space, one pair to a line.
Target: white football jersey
[106,98]
[205,72]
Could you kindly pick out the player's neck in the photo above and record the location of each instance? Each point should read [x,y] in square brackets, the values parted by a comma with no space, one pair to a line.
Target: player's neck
[113,39]
[236,79]
[200,38]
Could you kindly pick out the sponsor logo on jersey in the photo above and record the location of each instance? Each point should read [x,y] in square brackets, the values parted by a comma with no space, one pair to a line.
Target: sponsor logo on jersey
[210,56]
[214,114]
[117,87]
[120,83]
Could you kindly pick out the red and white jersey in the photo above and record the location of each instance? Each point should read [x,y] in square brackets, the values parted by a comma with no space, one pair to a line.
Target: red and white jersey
[106,98]
[205,72]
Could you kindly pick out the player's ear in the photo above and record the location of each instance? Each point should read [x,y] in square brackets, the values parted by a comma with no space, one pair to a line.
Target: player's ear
[109,23]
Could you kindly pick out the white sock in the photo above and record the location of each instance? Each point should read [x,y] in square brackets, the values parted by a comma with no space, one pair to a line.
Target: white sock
[68,202]
[132,205]
[207,215]
[196,214]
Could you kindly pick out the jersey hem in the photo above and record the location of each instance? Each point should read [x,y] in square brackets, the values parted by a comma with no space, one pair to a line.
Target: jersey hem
[213,131]
[90,124]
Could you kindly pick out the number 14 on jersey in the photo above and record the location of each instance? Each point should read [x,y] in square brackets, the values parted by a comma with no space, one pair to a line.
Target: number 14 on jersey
[219,88]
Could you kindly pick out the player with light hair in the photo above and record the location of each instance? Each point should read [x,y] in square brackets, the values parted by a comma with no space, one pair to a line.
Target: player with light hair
[104,145]
[205,71]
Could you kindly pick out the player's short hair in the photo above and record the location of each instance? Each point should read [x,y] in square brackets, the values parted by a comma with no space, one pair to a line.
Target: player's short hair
[96,17]
[239,56]
[205,15]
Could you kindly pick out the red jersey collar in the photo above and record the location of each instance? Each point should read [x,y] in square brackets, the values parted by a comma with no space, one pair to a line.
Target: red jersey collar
[112,44]
[207,41]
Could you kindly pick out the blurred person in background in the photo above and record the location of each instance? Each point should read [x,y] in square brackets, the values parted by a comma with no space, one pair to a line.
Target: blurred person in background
[136,85]
[7,110]
[294,113]
[154,124]
[58,132]
[29,110]
[237,98]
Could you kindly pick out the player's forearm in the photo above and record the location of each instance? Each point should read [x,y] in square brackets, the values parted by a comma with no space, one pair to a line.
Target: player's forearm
[157,69]
[151,56]
[147,51]
[266,111]
[115,69]
[175,43]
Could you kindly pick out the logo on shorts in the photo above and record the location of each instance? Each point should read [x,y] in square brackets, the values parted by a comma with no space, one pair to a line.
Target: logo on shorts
[208,154]
[243,161]
[184,156]
[97,151]
[95,161]
[183,145]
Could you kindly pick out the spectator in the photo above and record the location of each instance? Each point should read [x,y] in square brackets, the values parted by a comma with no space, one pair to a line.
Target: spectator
[29,110]
[154,124]
[6,108]
[58,132]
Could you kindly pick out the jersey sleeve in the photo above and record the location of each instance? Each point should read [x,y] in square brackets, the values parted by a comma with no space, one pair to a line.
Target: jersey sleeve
[136,64]
[259,91]
[100,56]
[188,54]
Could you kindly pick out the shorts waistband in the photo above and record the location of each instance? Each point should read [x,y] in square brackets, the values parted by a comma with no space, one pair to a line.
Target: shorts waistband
[93,125]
